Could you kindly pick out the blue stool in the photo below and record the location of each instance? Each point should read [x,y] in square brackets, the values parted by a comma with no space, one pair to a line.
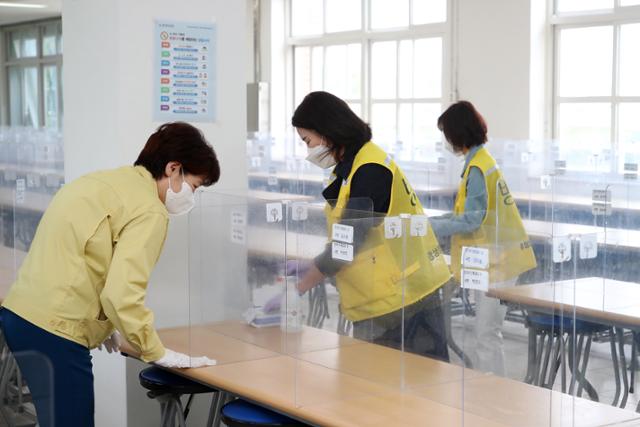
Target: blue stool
[240,413]
[167,388]
[548,336]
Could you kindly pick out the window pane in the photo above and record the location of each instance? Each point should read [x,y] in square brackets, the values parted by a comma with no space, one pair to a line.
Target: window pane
[383,70]
[629,59]
[23,43]
[356,107]
[354,71]
[429,11]
[583,5]
[404,144]
[50,85]
[629,2]
[425,130]
[405,69]
[383,123]
[336,70]
[427,62]
[586,61]
[584,127]
[23,95]
[317,65]
[389,13]
[51,39]
[302,73]
[629,132]
[344,15]
[306,17]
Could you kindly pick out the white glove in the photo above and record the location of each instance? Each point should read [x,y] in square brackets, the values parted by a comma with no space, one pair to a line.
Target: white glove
[113,343]
[173,359]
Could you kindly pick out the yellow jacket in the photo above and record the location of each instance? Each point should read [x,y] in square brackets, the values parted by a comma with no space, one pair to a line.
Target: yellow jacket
[387,274]
[90,260]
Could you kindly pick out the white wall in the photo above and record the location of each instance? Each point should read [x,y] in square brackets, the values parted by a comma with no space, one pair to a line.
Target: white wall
[495,52]
[108,91]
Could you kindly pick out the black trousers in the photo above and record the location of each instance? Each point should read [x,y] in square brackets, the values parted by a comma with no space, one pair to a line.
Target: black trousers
[420,331]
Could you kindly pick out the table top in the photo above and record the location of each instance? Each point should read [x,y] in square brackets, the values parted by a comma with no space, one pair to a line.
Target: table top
[326,379]
[604,300]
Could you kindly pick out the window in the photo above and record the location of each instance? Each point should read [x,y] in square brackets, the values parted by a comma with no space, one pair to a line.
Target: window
[385,58]
[33,65]
[597,91]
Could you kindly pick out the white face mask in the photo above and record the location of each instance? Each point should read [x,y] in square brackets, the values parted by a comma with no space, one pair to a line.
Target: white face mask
[181,202]
[321,156]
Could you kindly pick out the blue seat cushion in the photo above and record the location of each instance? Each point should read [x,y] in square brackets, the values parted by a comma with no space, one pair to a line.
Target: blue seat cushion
[547,321]
[242,412]
[159,380]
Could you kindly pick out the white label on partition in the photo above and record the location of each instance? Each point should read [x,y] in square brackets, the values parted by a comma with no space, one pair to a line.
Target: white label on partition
[561,249]
[238,218]
[419,225]
[342,251]
[475,257]
[238,235]
[299,211]
[392,227]
[588,246]
[475,279]
[342,233]
[601,196]
[600,208]
[545,182]
[33,180]
[20,191]
[274,212]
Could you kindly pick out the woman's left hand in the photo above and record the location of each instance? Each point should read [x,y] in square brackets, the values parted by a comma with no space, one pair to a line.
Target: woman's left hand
[113,343]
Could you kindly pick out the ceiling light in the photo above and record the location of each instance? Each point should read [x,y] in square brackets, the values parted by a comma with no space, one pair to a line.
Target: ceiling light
[23,5]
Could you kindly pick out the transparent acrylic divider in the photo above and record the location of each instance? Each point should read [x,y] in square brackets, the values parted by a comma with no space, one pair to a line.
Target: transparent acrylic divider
[26,387]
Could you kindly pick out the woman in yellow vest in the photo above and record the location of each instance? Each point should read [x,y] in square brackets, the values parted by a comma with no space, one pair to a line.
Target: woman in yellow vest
[484,216]
[389,279]
[85,276]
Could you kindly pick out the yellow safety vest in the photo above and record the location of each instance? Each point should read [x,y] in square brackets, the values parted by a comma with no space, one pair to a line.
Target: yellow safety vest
[502,231]
[387,274]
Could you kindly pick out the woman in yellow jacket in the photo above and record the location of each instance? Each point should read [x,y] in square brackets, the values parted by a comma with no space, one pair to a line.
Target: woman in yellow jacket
[484,216]
[391,289]
[86,273]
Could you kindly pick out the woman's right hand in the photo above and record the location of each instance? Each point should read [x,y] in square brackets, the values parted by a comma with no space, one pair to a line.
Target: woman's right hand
[173,359]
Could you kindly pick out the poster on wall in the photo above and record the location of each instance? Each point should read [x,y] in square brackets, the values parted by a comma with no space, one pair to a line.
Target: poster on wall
[184,71]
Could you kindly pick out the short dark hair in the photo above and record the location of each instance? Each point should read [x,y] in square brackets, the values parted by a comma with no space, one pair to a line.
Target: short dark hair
[332,118]
[463,126]
[183,143]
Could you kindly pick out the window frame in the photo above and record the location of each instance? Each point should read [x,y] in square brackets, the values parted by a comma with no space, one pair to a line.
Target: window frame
[40,61]
[366,36]
[614,17]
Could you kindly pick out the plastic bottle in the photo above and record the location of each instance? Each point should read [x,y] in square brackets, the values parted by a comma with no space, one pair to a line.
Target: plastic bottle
[291,307]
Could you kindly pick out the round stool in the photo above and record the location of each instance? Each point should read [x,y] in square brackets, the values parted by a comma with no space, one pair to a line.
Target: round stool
[167,388]
[240,413]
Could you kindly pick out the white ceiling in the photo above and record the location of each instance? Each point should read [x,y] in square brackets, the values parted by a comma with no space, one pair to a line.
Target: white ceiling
[13,15]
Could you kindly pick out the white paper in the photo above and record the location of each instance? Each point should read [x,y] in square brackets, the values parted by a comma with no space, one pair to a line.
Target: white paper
[419,225]
[300,211]
[20,191]
[238,235]
[588,246]
[274,212]
[561,249]
[475,279]
[392,227]
[342,233]
[238,218]
[342,251]
[473,257]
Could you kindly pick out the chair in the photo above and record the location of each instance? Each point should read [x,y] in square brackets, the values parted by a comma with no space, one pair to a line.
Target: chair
[168,388]
[240,413]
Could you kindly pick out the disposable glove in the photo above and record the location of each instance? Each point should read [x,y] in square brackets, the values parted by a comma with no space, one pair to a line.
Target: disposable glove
[296,267]
[112,344]
[173,359]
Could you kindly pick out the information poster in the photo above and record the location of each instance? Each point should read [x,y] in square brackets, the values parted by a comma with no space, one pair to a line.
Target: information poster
[184,71]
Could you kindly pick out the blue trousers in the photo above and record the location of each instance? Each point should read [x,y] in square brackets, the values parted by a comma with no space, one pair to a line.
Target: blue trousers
[58,372]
